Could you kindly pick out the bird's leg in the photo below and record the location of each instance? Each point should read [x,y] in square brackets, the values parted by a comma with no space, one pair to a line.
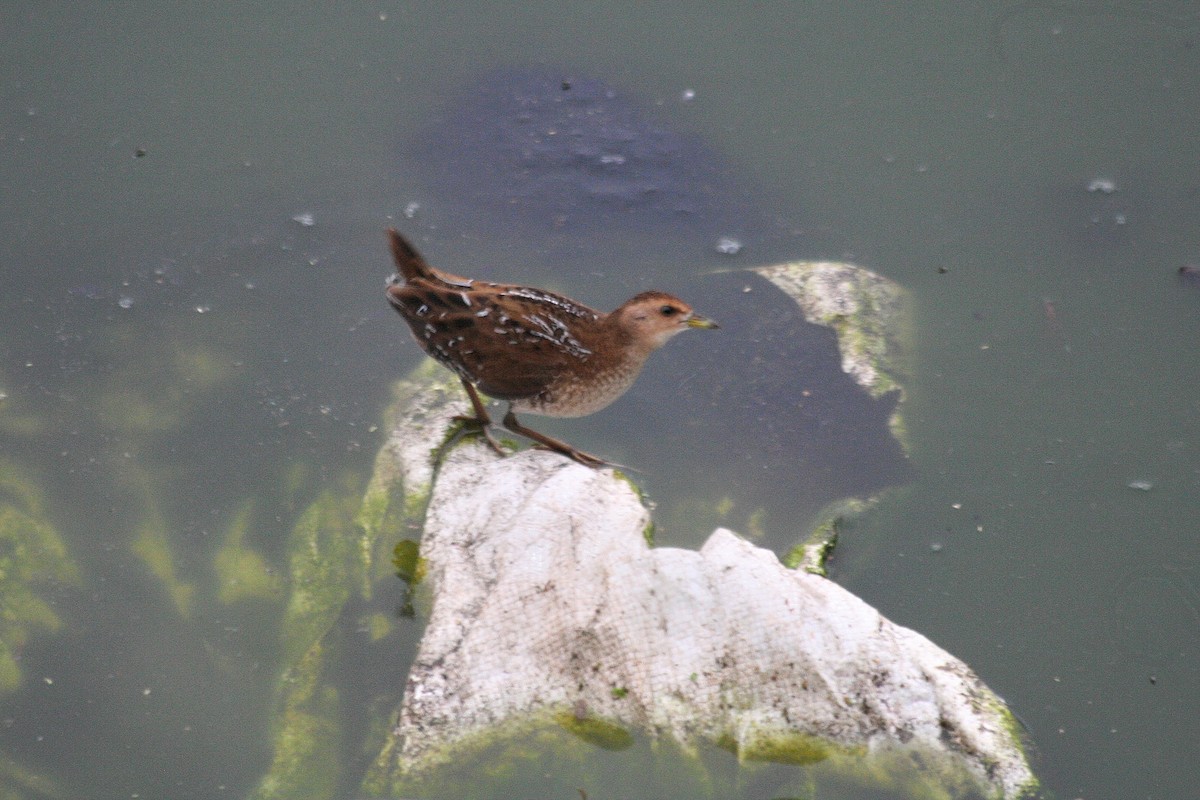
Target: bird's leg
[481,420]
[587,459]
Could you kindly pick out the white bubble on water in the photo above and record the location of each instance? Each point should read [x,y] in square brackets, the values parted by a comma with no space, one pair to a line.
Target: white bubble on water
[729,246]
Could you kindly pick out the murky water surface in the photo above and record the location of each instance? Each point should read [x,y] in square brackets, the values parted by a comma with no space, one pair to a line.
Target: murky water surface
[195,347]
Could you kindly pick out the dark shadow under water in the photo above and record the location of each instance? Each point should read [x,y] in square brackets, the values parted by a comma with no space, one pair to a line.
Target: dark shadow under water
[566,169]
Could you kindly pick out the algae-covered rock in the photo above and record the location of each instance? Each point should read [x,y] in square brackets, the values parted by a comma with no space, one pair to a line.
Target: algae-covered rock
[323,569]
[340,546]
[399,489]
[868,312]
[32,556]
[811,554]
[307,735]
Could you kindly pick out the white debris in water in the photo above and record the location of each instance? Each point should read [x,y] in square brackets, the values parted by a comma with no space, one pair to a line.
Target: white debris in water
[203,309]
[1141,485]
[411,210]
[306,219]
[612,159]
[1102,185]
[729,246]
[687,95]
[125,301]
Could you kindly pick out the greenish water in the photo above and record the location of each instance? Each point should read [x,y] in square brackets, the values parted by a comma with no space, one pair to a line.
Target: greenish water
[182,360]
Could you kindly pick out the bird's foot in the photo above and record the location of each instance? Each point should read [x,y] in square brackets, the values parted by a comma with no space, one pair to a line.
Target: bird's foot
[587,459]
[475,426]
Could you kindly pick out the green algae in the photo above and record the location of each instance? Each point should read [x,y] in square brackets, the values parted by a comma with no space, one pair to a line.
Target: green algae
[688,515]
[377,626]
[557,753]
[19,783]
[870,314]
[32,554]
[797,749]
[625,478]
[17,420]
[152,544]
[386,508]
[307,735]
[396,498]
[324,566]
[816,548]
[596,731]
[242,572]
[649,530]
[410,568]
[551,753]
[406,558]
[160,389]
[340,546]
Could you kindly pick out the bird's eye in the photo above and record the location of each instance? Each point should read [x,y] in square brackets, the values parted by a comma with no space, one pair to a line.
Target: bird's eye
[668,311]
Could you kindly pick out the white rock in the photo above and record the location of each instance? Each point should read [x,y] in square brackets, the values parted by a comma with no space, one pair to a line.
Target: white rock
[548,597]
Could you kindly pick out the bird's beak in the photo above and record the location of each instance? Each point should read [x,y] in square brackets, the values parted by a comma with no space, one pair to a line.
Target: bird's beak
[697,321]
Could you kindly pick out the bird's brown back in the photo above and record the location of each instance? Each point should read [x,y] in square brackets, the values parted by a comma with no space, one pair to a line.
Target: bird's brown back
[512,342]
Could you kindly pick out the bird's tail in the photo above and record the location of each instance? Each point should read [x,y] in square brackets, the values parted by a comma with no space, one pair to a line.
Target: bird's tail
[412,265]
[409,263]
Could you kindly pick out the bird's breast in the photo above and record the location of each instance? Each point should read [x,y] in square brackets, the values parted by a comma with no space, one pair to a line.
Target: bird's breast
[579,395]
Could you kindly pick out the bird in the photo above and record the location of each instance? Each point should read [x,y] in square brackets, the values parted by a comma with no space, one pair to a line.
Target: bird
[541,352]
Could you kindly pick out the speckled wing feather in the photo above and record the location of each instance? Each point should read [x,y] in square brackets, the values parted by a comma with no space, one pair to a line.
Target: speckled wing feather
[509,341]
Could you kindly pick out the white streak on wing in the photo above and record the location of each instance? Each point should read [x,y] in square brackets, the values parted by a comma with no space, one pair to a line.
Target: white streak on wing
[560,303]
[558,333]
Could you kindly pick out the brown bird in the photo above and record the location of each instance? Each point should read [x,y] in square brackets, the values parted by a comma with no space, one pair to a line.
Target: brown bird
[541,352]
